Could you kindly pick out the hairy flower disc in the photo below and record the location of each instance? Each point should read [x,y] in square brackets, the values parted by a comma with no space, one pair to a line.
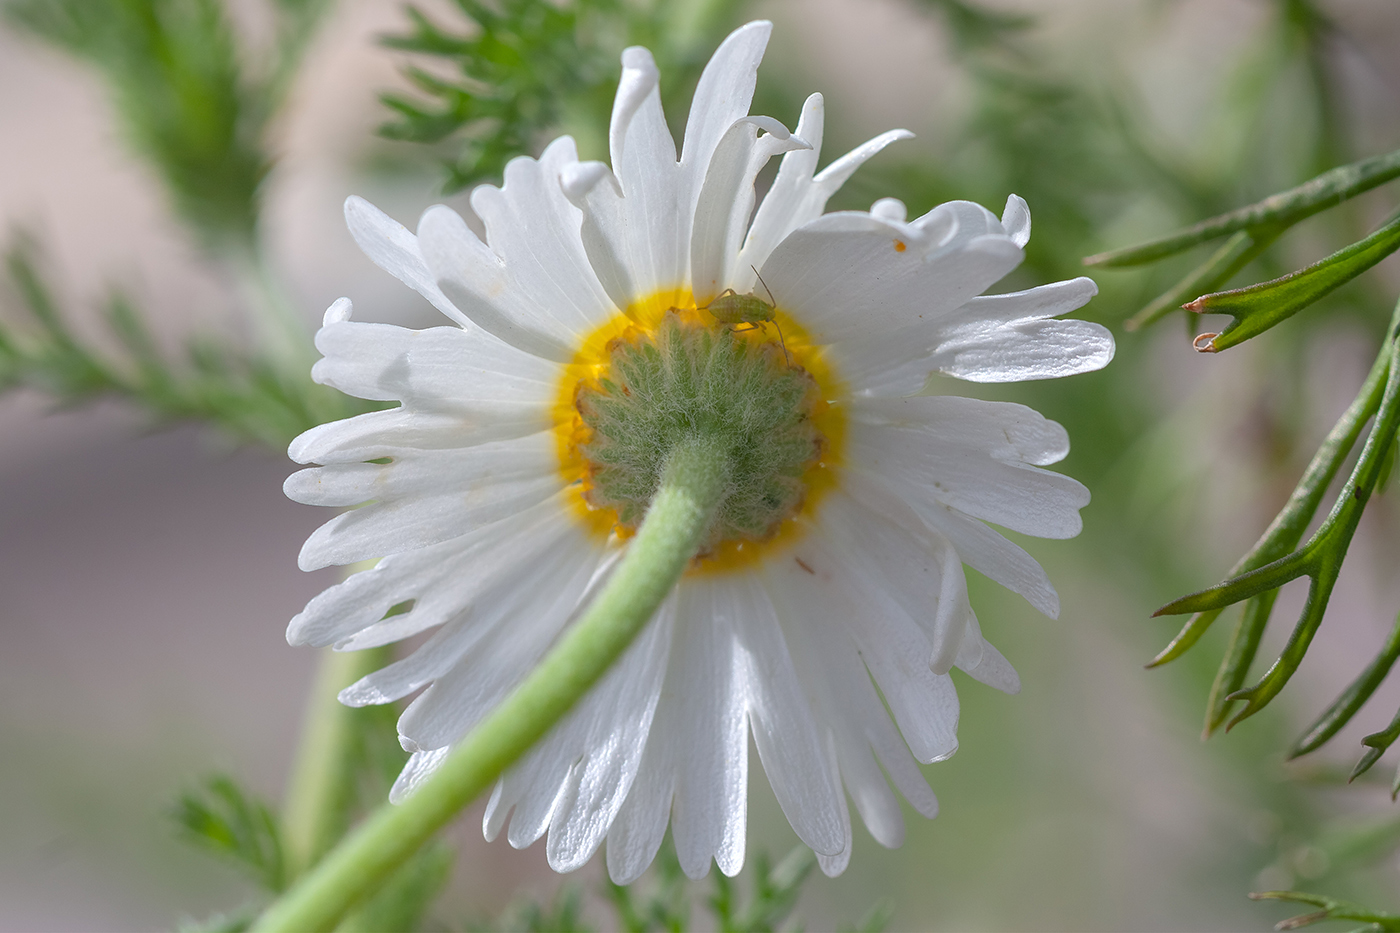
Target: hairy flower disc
[666,368]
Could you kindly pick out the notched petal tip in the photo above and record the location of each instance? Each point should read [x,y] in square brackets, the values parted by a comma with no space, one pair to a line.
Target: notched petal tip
[338,313]
[889,209]
[577,179]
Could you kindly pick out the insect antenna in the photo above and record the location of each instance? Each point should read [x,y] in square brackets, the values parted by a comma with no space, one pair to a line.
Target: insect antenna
[773,301]
[786,354]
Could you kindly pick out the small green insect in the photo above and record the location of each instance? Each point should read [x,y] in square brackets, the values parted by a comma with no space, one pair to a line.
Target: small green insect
[729,307]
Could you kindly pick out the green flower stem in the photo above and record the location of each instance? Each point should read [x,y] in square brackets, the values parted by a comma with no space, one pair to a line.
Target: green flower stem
[694,482]
[1282,210]
[322,787]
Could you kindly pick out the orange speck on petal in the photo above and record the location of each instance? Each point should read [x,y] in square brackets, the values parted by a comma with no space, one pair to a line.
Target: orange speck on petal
[899,246]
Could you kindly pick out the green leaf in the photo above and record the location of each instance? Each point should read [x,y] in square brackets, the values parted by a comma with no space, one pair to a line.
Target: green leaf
[1257,308]
[1320,559]
[1376,745]
[1280,210]
[1352,699]
[563,914]
[222,818]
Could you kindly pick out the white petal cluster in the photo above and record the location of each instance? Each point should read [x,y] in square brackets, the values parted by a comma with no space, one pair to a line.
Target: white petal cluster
[459,488]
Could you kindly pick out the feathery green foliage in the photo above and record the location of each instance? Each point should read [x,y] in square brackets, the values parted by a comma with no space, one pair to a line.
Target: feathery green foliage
[222,818]
[526,69]
[249,398]
[186,100]
[773,897]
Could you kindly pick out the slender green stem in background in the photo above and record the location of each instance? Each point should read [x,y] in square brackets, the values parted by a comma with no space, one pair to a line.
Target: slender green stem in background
[1282,210]
[693,486]
[323,783]
[1236,253]
[282,333]
[1332,909]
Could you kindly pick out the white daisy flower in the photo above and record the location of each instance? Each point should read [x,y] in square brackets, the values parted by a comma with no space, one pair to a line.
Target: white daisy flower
[585,332]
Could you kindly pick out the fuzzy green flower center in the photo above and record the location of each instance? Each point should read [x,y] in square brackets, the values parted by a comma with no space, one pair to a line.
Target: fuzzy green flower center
[685,380]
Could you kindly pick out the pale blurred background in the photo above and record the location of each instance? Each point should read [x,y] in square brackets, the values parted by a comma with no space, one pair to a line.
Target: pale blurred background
[146,577]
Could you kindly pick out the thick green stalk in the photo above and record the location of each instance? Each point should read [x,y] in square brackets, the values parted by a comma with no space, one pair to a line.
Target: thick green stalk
[693,486]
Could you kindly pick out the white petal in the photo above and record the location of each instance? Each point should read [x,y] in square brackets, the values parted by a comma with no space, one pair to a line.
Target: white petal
[391,247]
[1016,218]
[502,478]
[858,281]
[638,239]
[834,864]
[894,592]
[489,593]
[815,611]
[610,725]
[995,338]
[434,578]
[519,627]
[986,664]
[726,200]
[378,434]
[793,752]
[1004,431]
[533,287]
[420,767]
[477,279]
[958,470]
[339,312]
[799,195]
[441,366]
[640,82]
[722,95]
[695,765]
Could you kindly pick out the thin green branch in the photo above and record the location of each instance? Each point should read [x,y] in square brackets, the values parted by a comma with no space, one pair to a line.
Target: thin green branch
[1279,210]
[1237,252]
[692,488]
[1332,909]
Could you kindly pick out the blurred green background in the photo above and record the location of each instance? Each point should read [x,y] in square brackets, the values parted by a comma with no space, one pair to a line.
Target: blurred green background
[146,575]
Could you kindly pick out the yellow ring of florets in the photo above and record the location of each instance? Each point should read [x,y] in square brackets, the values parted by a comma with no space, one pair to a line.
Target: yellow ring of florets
[642,319]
